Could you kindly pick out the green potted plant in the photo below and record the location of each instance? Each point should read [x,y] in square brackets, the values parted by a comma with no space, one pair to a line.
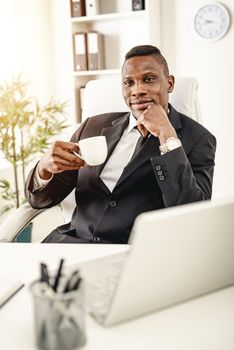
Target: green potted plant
[26,129]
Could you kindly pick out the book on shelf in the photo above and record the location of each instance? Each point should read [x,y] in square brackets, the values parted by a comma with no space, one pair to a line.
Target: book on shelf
[77,8]
[80,51]
[8,288]
[95,50]
[92,7]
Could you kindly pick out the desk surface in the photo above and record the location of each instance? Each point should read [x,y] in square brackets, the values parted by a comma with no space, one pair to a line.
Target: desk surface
[203,323]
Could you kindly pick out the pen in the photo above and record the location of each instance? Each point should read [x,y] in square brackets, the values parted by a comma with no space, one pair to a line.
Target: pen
[77,284]
[58,275]
[71,282]
[44,273]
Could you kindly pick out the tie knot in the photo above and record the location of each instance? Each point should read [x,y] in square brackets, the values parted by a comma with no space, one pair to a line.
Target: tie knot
[136,128]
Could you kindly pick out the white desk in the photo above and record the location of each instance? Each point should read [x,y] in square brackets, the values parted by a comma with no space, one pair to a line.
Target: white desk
[201,324]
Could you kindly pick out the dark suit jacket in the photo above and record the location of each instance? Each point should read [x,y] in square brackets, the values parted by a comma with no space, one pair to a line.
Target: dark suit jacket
[150,181]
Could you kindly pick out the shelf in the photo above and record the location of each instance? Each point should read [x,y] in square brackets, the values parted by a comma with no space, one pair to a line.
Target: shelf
[108,16]
[96,72]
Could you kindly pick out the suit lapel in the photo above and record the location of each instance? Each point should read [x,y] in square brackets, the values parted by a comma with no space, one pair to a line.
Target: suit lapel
[174,118]
[149,149]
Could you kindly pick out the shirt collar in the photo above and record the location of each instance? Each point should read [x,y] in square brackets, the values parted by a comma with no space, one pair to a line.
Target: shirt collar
[132,123]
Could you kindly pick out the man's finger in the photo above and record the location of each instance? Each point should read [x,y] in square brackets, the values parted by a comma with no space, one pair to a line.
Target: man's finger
[142,129]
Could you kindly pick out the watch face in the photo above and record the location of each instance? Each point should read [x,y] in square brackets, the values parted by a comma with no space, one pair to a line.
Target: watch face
[173,143]
[212,21]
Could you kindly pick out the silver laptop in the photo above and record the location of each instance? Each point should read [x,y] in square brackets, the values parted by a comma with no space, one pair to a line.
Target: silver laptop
[175,254]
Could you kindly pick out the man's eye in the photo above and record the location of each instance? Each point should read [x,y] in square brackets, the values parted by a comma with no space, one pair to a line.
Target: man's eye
[127,82]
[149,79]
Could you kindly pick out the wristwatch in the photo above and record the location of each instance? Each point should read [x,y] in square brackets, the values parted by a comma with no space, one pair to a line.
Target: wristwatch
[170,144]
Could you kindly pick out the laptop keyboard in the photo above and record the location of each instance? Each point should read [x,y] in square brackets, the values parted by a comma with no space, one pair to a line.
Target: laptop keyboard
[101,278]
[100,295]
[101,291]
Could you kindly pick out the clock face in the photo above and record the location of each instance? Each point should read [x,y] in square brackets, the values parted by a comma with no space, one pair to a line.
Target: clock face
[212,21]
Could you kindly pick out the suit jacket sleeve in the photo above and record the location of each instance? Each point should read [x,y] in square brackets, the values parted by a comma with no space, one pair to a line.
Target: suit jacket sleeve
[57,189]
[185,178]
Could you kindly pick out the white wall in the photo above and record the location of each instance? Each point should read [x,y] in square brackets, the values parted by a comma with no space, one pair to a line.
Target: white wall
[25,47]
[62,54]
[25,43]
[212,64]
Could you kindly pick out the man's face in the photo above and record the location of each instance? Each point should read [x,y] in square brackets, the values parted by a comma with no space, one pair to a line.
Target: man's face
[144,83]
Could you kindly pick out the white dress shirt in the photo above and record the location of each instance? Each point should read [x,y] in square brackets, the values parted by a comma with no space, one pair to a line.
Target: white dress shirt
[121,155]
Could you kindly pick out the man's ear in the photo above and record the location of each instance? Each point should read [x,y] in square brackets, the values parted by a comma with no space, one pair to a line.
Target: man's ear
[171,83]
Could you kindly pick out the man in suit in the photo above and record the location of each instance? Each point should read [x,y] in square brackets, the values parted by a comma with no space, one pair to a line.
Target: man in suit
[173,163]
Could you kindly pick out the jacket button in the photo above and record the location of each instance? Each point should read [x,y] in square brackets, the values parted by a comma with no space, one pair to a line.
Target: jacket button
[160,172]
[96,239]
[161,177]
[158,167]
[112,204]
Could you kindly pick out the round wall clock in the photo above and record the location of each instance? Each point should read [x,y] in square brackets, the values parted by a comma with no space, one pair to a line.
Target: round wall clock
[212,21]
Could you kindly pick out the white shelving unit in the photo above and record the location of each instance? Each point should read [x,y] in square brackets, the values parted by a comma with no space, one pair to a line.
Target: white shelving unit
[96,72]
[122,29]
[107,16]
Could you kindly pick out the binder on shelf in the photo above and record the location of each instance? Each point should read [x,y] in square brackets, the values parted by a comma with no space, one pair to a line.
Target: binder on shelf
[92,7]
[80,51]
[77,8]
[138,5]
[95,50]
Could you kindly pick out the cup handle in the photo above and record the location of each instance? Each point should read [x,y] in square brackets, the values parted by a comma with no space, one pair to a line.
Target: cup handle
[78,155]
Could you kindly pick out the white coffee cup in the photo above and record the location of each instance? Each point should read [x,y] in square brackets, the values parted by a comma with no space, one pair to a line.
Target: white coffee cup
[93,150]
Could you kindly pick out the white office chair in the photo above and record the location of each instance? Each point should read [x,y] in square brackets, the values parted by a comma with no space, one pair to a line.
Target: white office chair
[105,95]
[100,96]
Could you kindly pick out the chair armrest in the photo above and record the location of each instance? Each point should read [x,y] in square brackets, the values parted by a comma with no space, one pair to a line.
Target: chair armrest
[16,221]
[44,221]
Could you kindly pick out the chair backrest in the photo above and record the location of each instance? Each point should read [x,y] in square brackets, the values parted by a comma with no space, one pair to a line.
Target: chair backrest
[105,95]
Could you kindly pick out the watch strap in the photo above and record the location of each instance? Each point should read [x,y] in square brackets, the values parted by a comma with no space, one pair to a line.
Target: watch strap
[170,144]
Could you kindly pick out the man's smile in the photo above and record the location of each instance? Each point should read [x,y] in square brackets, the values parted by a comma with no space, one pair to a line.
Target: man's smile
[140,104]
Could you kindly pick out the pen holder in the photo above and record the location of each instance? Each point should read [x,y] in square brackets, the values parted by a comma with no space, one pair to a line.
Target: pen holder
[59,317]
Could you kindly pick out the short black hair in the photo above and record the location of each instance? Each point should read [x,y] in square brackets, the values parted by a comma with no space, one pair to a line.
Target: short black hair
[148,50]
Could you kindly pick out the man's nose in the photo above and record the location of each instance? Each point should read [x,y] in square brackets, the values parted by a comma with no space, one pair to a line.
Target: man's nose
[138,89]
